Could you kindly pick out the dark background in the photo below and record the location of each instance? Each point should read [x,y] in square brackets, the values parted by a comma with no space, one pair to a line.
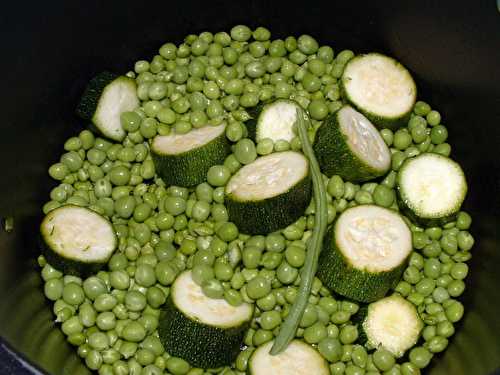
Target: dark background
[49,50]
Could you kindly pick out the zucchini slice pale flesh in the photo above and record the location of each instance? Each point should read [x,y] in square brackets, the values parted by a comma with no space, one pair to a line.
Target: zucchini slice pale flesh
[77,240]
[392,323]
[381,88]
[274,121]
[298,358]
[105,98]
[431,187]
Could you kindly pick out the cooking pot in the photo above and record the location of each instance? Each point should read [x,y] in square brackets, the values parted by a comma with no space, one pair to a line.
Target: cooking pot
[51,49]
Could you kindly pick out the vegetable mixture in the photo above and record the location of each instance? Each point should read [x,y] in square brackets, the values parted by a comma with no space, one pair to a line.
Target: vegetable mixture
[249,205]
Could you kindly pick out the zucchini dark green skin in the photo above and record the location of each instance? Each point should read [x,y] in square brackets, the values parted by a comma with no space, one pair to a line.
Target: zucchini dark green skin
[190,168]
[335,157]
[69,266]
[340,276]
[199,344]
[269,215]
[392,123]
[251,124]
[90,98]
[408,212]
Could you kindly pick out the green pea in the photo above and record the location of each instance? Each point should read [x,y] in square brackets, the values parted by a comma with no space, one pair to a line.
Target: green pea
[270,319]
[449,244]
[98,341]
[53,289]
[310,315]
[433,118]
[454,311]
[383,359]
[286,274]
[87,139]
[241,33]
[94,287]
[425,286]
[258,287]
[165,273]
[315,333]
[251,256]
[340,317]
[213,288]
[432,268]
[402,139]
[463,220]
[93,360]
[227,232]
[337,368]
[420,357]
[363,197]
[348,334]
[119,279]
[73,294]
[330,348]
[318,109]
[408,368]
[437,344]
[72,326]
[175,205]
[459,271]
[145,275]
[223,272]
[307,44]
[311,84]
[134,332]
[105,302]
[218,175]
[383,196]
[416,298]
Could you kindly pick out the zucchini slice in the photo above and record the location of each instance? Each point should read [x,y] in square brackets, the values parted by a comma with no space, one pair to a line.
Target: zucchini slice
[431,187]
[270,193]
[108,95]
[349,145]
[76,240]
[365,252]
[275,121]
[205,332]
[299,358]
[381,88]
[184,159]
[392,323]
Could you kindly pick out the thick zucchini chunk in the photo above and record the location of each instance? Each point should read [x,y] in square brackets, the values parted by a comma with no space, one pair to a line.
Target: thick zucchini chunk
[184,159]
[348,144]
[108,95]
[269,193]
[205,332]
[76,240]
[365,252]
[381,88]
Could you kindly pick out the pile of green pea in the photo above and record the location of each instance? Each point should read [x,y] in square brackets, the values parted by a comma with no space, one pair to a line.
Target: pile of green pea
[112,316]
